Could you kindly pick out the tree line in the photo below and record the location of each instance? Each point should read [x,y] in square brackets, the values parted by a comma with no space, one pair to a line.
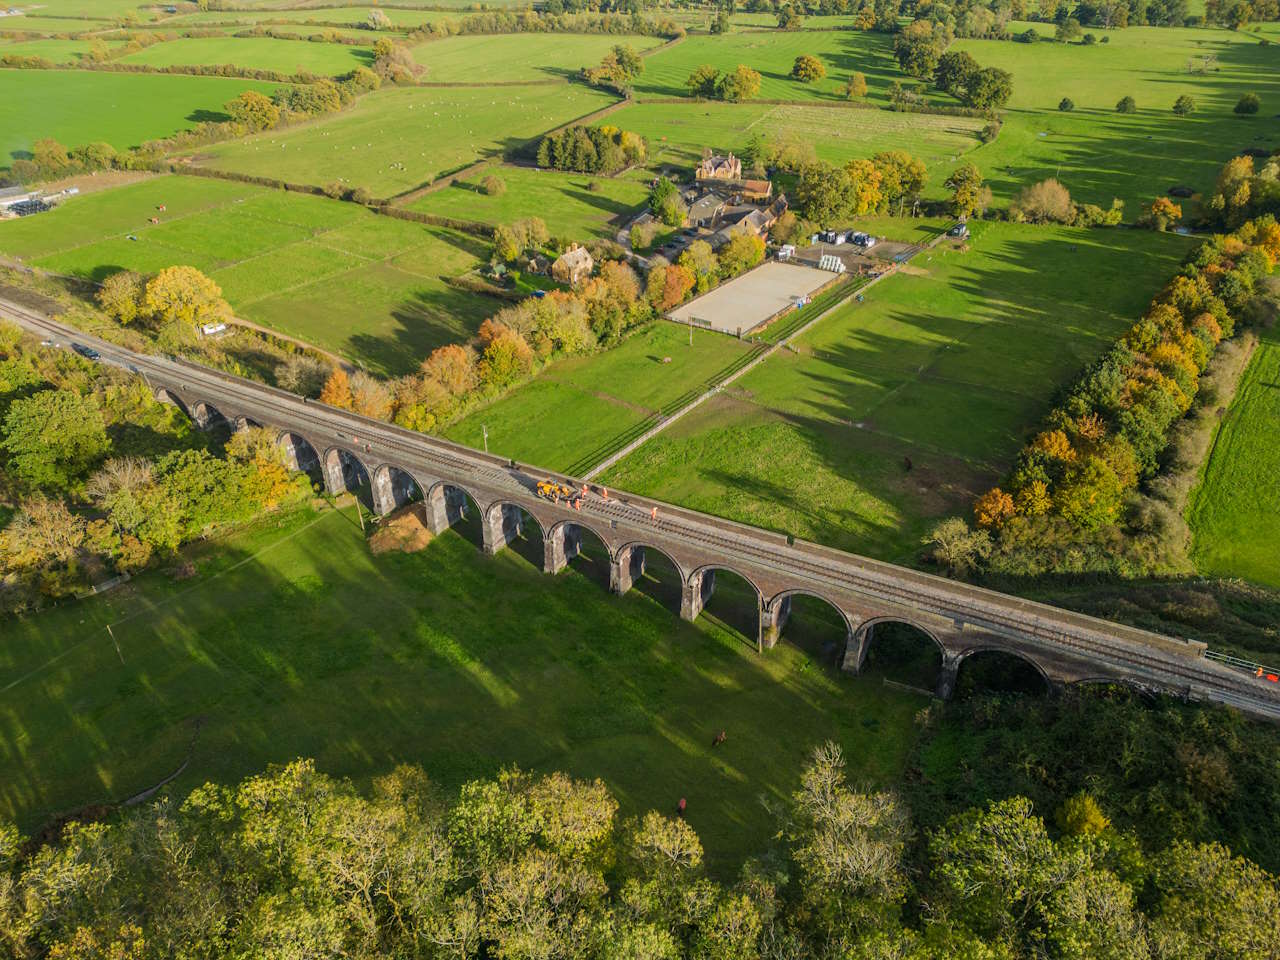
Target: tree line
[1072,499]
[294,863]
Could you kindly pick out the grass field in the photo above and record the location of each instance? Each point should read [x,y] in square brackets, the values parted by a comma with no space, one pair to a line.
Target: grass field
[1235,512]
[255,53]
[393,140]
[55,51]
[950,364]
[330,273]
[469,664]
[501,58]
[773,54]
[1100,154]
[76,108]
[581,404]
[677,133]
[564,200]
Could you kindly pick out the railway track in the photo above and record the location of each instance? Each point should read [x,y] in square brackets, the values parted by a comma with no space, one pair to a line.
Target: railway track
[1164,661]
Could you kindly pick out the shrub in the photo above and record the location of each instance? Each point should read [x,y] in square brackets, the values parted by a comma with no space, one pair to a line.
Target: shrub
[1088,39]
[1126,105]
[1248,104]
[856,88]
[493,186]
[1043,202]
[1184,106]
[990,131]
[808,69]
[1028,36]
[1066,105]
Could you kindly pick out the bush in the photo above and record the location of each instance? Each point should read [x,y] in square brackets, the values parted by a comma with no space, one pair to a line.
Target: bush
[1028,36]
[1249,104]
[990,131]
[1088,39]
[1066,105]
[808,69]
[1045,202]
[493,186]
[1184,106]
[856,88]
[1126,105]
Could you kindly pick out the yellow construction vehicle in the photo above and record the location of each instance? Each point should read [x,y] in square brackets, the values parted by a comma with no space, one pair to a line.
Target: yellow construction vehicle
[554,491]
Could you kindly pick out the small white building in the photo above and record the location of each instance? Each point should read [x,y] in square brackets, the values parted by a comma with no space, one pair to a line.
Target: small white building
[831,262]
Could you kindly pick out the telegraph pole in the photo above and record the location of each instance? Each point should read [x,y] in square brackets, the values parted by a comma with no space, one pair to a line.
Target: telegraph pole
[485,430]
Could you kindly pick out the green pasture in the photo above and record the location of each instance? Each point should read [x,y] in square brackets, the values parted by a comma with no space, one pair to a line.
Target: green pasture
[1235,511]
[331,273]
[503,58]
[579,406]
[951,364]
[55,51]
[1100,154]
[469,664]
[255,53]
[125,110]
[112,10]
[572,204]
[393,140]
[772,54]
[678,133]
[51,25]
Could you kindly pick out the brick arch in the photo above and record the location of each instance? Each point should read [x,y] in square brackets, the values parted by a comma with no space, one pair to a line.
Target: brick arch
[500,504]
[728,568]
[866,625]
[206,415]
[336,473]
[777,611]
[168,396]
[1007,649]
[387,494]
[643,545]
[559,525]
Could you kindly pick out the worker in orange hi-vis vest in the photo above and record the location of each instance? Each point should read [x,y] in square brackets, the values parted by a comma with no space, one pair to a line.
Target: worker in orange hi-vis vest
[604,492]
[577,504]
[585,489]
[653,514]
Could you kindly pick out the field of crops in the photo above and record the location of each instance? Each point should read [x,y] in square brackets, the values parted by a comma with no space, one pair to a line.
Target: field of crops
[395,139]
[572,205]
[503,58]
[950,364]
[368,287]
[255,53]
[124,110]
[1235,512]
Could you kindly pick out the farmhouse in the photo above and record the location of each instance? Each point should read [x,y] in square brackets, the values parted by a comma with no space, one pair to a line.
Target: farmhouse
[716,167]
[573,266]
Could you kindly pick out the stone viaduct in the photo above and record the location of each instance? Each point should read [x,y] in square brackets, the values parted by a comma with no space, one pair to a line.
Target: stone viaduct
[394,466]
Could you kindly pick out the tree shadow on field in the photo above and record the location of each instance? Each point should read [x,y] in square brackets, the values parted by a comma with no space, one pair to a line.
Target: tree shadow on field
[207,116]
[461,663]
[615,208]
[425,320]
[468,244]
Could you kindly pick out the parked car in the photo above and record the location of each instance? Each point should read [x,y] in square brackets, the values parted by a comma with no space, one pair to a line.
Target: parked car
[87,352]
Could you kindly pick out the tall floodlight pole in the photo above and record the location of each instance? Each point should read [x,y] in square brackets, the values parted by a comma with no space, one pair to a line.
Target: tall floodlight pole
[485,430]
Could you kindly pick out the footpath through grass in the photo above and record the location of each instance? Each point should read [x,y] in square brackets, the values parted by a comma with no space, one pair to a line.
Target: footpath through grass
[948,364]
[334,274]
[1235,512]
[292,640]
